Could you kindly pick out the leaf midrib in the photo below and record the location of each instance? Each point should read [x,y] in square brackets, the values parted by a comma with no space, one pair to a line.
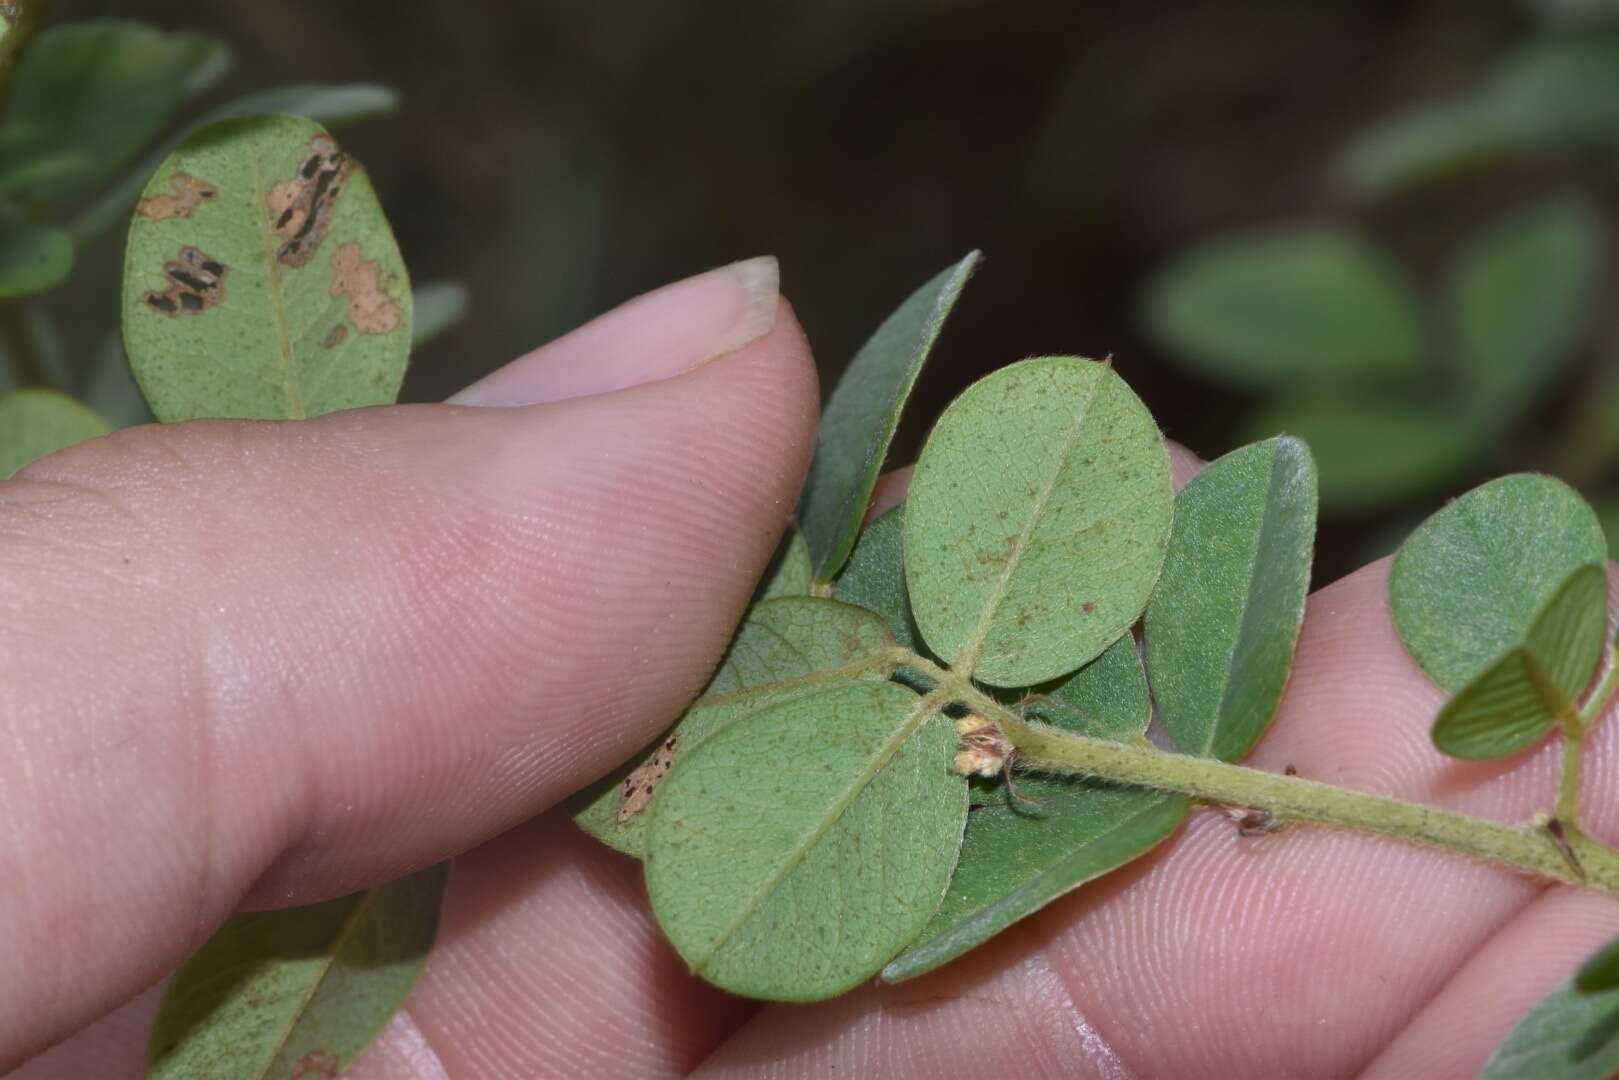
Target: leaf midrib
[278,304]
[350,922]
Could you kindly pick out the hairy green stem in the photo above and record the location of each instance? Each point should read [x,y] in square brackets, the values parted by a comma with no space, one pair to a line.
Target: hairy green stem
[1575,728]
[1571,857]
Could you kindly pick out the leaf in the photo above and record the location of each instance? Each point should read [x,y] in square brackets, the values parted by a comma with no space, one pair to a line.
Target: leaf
[109,387]
[332,105]
[790,572]
[874,577]
[1551,92]
[1600,971]
[1469,582]
[437,306]
[88,96]
[1568,1036]
[35,422]
[1519,297]
[786,649]
[1105,699]
[33,258]
[1037,521]
[261,280]
[1374,453]
[797,851]
[863,412]
[1516,701]
[1222,624]
[1285,306]
[1015,861]
[307,987]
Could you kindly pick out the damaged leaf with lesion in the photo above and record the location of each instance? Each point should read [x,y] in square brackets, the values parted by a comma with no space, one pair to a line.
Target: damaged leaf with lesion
[276,210]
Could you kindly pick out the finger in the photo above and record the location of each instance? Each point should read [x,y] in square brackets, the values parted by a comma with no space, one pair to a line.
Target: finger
[327,653]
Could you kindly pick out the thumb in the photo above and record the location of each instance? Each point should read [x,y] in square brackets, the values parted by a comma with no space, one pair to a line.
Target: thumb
[272,662]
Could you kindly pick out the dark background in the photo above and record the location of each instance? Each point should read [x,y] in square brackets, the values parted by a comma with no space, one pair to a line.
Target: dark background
[562,157]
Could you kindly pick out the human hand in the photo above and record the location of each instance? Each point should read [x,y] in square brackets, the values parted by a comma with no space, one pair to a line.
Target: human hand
[1301,953]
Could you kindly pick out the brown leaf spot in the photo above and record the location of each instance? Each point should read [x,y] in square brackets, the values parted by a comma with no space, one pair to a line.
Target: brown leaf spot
[335,336]
[196,283]
[301,208]
[636,792]
[188,193]
[371,310]
[315,1065]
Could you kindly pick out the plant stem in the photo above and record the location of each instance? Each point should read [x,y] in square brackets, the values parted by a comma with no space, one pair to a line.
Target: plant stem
[1575,728]
[1530,848]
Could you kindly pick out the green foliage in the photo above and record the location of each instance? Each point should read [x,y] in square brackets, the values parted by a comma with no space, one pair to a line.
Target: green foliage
[1286,306]
[1518,699]
[261,279]
[35,422]
[88,96]
[33,258]
[1600,971]
[1221,627]
[1518,298]
[797,851]
[436,306]
[791,573]
[1471,580]
[1037,520]
[280,993]
[862,414]
[874,577]
[787,648]
[1568,1036]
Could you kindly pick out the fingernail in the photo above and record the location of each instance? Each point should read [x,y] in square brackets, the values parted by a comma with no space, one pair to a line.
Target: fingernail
[664,333]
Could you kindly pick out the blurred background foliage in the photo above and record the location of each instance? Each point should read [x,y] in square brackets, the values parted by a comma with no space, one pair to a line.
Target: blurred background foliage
[1384,226]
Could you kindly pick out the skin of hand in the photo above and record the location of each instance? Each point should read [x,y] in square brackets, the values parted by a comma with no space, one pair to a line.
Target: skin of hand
[266,664]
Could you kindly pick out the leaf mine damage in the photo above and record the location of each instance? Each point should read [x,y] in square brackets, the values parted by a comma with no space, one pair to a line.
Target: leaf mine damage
[642,783]
[186,193]
[371,310]
[301,208]
[196,283]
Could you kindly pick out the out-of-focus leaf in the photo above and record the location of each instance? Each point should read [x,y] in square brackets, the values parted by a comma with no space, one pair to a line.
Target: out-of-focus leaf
[35,422]
[1519,699]
[329,105]
[1222,623]
[33,258]
[1518,298]
[1575,14]
[261,279]
[1467,586]
[797,851]
[88,96]
[1285,306]
[1037,521]
[110,388]
[1568,1036]
[299,992]
[1600,971]
[1372,453]
[863,412]
[1552,91]
[439,305]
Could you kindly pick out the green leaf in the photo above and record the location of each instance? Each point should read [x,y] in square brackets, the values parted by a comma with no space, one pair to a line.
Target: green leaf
[874,577]
[1467,585]
[790,573]
[1554,91]
[797,851]
[331,105]
[1519,297]
[786,649]
[261,280]
[88,96]
[1600,971]
[437,307]
[1285,306]
[35,422]
[1037,521]
[276,992]
[1105,699]
[1015,860]
[110,388]
[1568,1036]
[863,412]
[1516,701]
[33,258]
[1374,453]
[1221,626]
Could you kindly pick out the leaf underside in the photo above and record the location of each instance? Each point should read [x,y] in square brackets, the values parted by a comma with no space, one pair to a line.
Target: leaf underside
[1567,1036]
